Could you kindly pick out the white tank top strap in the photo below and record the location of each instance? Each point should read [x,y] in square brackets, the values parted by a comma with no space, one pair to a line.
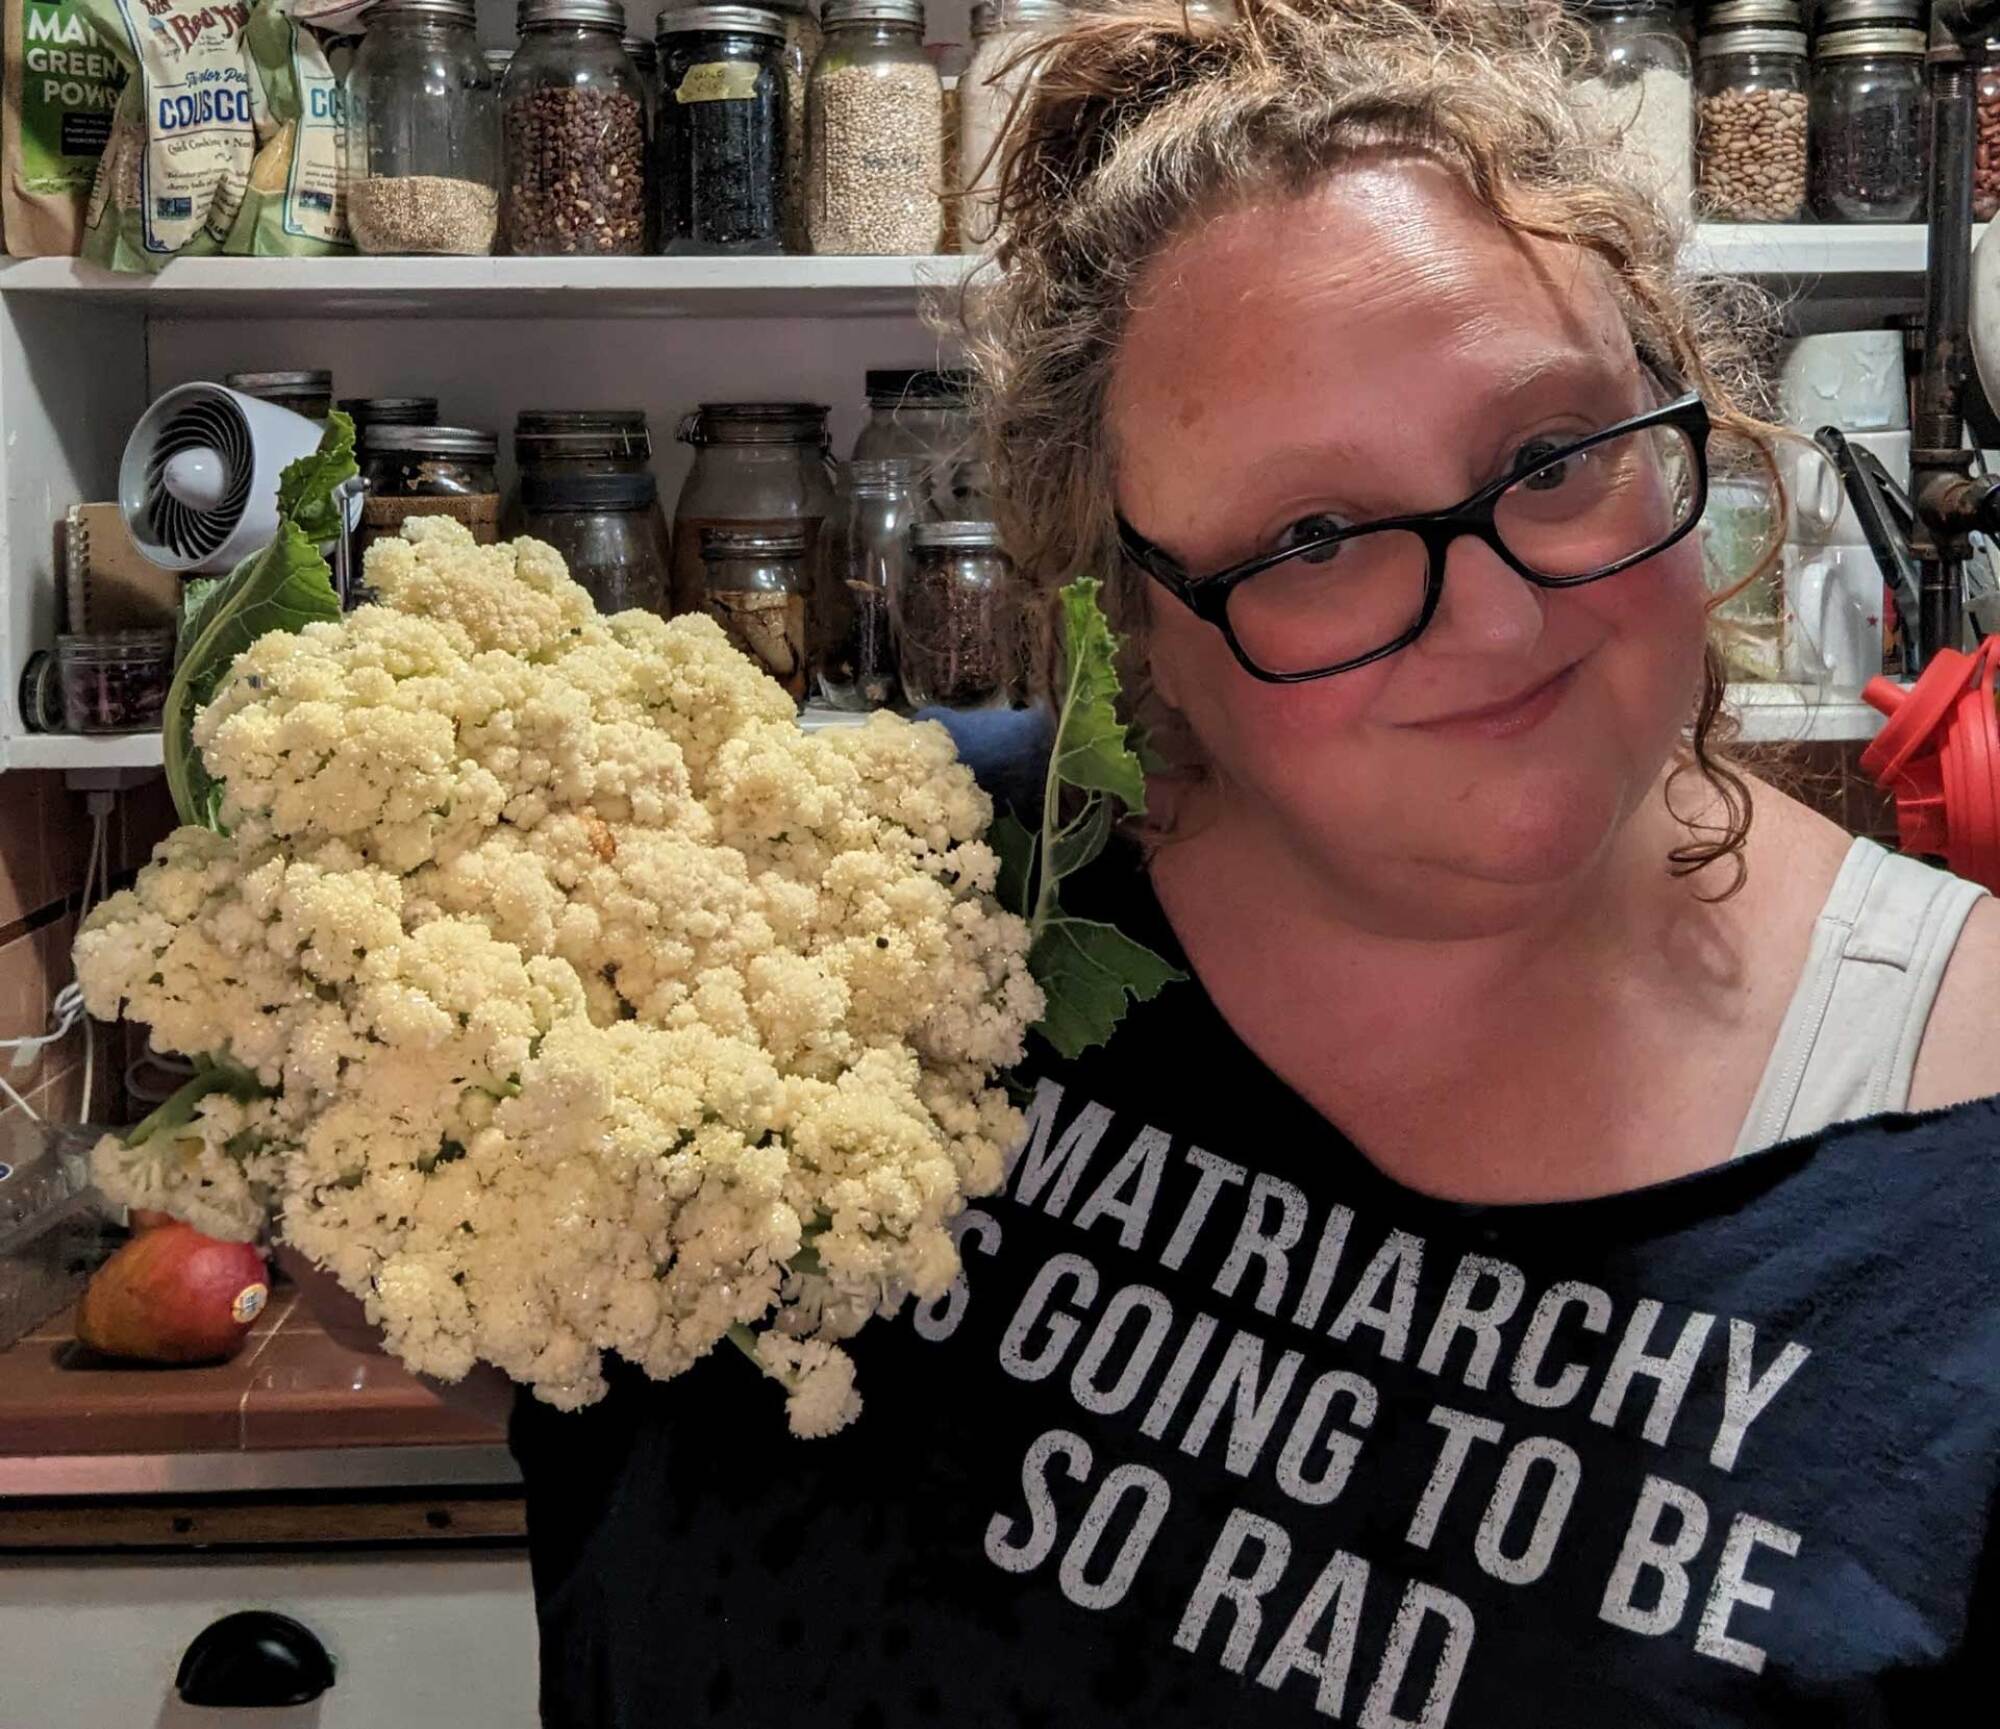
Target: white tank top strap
[1850,1037]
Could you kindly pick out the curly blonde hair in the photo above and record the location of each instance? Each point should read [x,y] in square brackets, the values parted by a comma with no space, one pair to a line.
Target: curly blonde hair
[1142,119]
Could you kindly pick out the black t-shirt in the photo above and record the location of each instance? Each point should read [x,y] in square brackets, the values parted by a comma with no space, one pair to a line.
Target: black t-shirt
[1221,1426]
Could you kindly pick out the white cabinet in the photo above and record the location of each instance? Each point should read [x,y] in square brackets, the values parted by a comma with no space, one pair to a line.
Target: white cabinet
[446,1641]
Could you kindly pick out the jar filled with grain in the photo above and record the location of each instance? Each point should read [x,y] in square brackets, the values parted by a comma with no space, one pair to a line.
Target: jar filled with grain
[757,466]
[756,590]
[429,471]
[1868,129]
[1986,161]
[1639,91]
[987,95]
[956,617]
[1752,133]
[573,130]
[423,132]
[875,133]
[802,45]
[721,130]
[853,655]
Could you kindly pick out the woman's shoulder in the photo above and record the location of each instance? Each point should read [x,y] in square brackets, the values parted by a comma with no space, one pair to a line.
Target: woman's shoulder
[1960,1055]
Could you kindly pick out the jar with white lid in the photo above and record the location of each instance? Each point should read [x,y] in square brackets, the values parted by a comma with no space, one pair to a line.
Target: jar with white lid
[988,91]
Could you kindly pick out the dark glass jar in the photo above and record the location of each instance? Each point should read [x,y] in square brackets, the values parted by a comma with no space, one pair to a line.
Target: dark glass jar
[1867,130]
[609,529]
[573,131]
[367,411]
[853,652]
[957,618]
[720,136]
[757,466]
[430,471]
[307,393]
[756,585]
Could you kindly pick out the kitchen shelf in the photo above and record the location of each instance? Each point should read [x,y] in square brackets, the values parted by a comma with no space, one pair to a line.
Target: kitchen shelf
[499,287]
[1798,714]
[76,751]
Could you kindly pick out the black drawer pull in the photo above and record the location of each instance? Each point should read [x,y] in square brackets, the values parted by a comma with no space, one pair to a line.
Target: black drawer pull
[254,1657]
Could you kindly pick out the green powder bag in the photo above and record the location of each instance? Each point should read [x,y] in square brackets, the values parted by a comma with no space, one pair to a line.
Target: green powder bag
[62,83]
[297,200]
[178,163]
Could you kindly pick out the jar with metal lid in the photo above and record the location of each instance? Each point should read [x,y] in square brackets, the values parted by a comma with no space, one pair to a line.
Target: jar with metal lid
[307,393]
[987,92]
[1752,132]
[115,681]
[609,529]
[757,466]
[917,413]
[423,132]
[802,45]
[573,129]
[554,444]
[875,133]
[853,653]
[429,471]
[1640,91]
[367,411]
[1868,140]
[721,131]
[956,617]
[756,590]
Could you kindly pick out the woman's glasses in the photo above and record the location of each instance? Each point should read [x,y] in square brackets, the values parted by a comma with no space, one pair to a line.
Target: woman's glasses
[1563,517]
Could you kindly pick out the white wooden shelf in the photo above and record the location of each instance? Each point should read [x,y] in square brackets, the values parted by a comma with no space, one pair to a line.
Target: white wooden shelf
[499,287]
[1799,714]
[78,751]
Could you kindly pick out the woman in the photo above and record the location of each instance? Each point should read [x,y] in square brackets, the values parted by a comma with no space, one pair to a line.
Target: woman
[1409,1319]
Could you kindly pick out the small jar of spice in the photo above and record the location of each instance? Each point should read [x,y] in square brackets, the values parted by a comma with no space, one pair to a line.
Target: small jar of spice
[1867,126]
[609,530]
[1751,119]
[875,133]
[573,125]
[757,593]
[956,618]
[429,471]
[720,137]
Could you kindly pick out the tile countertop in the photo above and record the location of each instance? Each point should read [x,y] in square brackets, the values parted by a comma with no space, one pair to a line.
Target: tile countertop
[292,1391]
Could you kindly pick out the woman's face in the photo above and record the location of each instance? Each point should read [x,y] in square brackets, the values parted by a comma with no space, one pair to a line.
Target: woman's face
[1379,347]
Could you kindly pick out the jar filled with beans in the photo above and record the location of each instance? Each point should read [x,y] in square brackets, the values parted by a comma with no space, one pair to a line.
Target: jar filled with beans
[875,133]
[1986,163]
[1751,125]
[573,131]
[1868,128]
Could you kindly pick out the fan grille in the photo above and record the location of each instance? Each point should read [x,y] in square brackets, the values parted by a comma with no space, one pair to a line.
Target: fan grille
[212,423]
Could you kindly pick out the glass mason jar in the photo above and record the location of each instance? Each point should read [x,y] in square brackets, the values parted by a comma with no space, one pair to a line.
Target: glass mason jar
[756,590]
[956,618]
[429,471]
[875,133]
[720,137]
[423,132]
[645,58]
[368,411]
[1986,159]
[802,46]
[307,393]
[1640,89]
[115,681]
[917,414]
[573,130]
[1872,15]
[609,529]
[853,654]
[986,96]
[1752,131]
[556,443]
[1867,126]
[757,466]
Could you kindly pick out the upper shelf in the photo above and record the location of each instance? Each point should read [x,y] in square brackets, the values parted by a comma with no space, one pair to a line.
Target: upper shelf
[500,287]
[1859,256]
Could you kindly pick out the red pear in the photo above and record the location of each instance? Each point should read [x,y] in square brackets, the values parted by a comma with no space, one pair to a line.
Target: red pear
[173,1295]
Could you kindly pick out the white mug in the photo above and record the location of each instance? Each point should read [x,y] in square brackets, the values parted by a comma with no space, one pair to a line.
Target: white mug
[1892,450]
[1833,618]
[1852,379]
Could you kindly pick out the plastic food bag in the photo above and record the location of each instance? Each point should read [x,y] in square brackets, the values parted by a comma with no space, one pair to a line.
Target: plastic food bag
[175,172]
[297,202]
[62,83]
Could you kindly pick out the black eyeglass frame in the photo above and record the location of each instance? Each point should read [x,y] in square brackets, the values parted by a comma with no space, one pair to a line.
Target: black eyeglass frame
[1207,597]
